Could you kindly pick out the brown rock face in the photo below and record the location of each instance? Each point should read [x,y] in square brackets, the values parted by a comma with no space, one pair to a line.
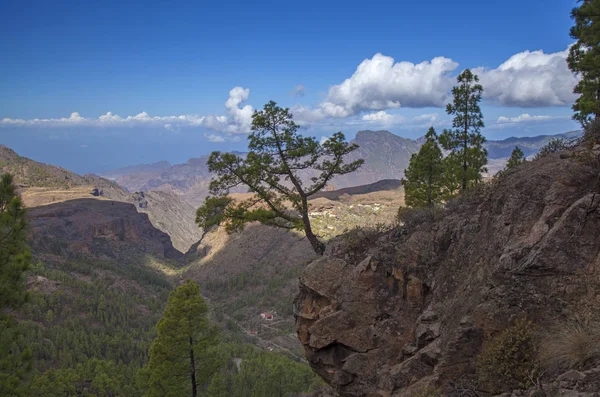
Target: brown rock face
[415,308]
[97,228]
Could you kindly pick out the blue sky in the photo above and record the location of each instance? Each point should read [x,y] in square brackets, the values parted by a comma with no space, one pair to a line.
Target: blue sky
[181,78]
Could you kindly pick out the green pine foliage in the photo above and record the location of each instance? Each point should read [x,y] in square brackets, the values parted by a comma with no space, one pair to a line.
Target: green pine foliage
[15,354]
[468,158]
[102,325]
[217,386]
[423,179]
[584,59]
[180,358]
[271,375]
[278,158]
[516,158]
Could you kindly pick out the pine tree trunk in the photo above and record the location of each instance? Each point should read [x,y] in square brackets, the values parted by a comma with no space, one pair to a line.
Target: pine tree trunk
[318,246]
[193,369]
[465,137]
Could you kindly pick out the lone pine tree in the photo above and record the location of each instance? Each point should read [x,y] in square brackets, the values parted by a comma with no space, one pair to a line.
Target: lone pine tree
[179,362]
[273,170]
[424,176]
[468,157]
[584,59]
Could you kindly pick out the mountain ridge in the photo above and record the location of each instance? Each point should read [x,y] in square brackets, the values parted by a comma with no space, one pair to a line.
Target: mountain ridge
[386,156]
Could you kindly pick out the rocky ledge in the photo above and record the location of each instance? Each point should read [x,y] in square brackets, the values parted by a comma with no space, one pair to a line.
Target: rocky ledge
[393,313]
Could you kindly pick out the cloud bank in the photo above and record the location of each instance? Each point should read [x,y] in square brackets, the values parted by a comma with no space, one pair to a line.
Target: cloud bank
[380,83]
[524,118]
[237,121]
[530,79]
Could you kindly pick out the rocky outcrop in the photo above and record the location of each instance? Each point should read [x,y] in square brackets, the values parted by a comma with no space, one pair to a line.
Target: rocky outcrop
[415,308]
[171,214]
[99,229]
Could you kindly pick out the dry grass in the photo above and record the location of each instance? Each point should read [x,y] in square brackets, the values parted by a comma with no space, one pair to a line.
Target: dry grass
[37,196]
[570,345]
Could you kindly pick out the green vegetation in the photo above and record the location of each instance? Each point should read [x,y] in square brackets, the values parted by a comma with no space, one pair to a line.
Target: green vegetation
[431,179]
[15,355]
[90,320]
[278,158]
[584,59]
[508,361]
[553,146]
[423,179]
[467,157]
[516,158]
[179,359]
[90,326]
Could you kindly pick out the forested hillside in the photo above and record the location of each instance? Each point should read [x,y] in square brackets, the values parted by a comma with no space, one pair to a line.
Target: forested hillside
[91,315]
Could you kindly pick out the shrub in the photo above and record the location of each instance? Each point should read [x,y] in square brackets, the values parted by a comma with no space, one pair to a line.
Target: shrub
[430,392]
[570,345]
[591,133]
[556,145]
[412,217]
[507,362]
[359,238]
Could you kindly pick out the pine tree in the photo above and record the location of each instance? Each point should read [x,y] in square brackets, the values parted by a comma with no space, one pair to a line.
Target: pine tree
[278,158]
[516,158]
[15,362]
[464,140]
[584,58]
[179,360]
[424,175]
[217,387]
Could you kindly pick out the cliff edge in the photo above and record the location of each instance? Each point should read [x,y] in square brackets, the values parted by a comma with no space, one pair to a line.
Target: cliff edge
[388,314]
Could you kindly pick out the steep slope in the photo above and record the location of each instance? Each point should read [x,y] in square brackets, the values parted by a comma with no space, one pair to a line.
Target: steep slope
[257,270]
[99,229]
[44,177]
[171,214]
[44,184]
[134,177]
[395,312]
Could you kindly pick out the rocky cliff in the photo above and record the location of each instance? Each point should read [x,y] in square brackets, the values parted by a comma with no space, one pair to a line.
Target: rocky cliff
[391,313]
[97,229]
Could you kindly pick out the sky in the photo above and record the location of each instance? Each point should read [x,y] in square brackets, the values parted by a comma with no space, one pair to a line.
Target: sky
[95,85]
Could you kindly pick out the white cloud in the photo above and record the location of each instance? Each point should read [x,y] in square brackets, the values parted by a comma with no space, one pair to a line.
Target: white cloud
[237,121]
[107,120]
[526,79]
[298,90]
[380,83]
[379,116]
[427,117]
[525,117]
[530,79]
[383,118]
[214,138]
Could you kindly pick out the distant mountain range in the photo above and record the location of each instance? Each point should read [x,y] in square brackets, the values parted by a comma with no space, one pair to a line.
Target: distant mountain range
[386,156]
